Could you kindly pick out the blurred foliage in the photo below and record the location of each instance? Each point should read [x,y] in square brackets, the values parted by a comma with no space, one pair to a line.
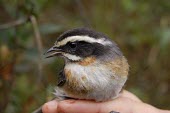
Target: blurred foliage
[141,29]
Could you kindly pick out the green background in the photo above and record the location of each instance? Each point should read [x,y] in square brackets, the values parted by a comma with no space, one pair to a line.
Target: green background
[141,28]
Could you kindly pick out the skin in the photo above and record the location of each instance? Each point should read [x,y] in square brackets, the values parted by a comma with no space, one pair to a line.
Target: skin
[125,103]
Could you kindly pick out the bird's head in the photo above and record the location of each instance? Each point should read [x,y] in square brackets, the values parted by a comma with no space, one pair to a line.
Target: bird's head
[80,43]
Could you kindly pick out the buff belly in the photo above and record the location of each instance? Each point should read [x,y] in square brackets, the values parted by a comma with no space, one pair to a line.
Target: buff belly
[95,81]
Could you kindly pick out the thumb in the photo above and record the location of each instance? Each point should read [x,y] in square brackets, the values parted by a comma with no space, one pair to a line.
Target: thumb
[84,106]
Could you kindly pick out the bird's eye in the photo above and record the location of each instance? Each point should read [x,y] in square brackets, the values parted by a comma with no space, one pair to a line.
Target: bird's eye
[72,45]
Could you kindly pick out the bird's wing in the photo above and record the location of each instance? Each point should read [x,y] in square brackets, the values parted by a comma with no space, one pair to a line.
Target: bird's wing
[61,79]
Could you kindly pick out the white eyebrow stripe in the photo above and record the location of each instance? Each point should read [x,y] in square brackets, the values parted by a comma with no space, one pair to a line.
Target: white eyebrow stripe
[82,38]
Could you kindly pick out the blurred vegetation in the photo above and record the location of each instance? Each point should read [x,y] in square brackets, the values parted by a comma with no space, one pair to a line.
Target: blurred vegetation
[141,29]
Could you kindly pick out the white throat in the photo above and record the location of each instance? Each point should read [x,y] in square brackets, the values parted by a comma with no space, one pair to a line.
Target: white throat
[72,57]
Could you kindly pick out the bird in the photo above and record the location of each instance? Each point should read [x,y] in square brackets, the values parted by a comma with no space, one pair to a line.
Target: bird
[94,66]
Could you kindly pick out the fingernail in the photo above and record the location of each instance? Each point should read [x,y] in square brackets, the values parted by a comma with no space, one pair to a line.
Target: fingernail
[64,106]
[52,103]
[50,106]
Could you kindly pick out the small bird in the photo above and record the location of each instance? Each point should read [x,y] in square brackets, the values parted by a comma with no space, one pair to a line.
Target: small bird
[95,68]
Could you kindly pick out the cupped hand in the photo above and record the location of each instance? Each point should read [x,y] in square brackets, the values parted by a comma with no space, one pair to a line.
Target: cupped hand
[125,103]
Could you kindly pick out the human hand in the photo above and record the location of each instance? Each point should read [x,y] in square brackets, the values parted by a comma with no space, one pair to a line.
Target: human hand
[125,103]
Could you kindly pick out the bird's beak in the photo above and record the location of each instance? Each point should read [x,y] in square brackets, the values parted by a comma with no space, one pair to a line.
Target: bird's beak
[53,51]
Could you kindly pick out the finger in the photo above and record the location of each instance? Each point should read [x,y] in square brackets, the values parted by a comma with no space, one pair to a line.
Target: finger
[77,106]
[50,107]
[83,106]
[129,95]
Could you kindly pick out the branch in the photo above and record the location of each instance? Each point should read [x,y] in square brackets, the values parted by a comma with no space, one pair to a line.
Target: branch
[14,23]
[39,45]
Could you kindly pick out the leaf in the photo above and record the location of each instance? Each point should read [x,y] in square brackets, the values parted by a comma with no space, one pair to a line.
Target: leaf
[165,37]
[50,28]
